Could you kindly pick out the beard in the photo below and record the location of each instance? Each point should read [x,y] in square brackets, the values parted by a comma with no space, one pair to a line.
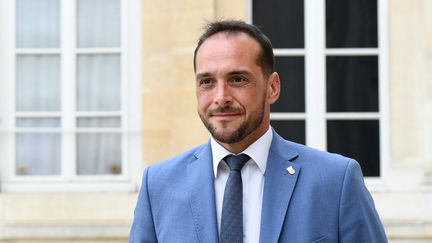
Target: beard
[245,128]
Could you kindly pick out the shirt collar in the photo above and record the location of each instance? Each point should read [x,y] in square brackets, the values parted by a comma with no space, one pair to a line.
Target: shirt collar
[258,151]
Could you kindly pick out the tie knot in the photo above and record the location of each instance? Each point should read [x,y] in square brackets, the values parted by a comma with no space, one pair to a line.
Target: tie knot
[236,162]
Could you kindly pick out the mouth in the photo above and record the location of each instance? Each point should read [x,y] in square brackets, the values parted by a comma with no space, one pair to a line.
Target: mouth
[225,116]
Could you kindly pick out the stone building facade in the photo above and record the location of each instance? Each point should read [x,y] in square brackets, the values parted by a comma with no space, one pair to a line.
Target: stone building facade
[166,33]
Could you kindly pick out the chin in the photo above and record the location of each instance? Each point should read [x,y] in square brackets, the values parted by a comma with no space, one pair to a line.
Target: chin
[224,134]
[227,136]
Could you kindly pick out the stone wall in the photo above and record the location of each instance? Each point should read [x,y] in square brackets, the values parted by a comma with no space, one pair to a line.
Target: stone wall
[170,125]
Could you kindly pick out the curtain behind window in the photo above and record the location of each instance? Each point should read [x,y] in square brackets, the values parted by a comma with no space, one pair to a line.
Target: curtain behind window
[39,82]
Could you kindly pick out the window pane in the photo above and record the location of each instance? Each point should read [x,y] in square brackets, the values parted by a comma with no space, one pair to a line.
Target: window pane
[37,23]
[358,140]
[352,84]
[98,82]
[38,122]
[38,83]
[99,122]
[38,154]
[290,130]
[99,153]
[98,23]
[292,97]
[282,21]
[351,23]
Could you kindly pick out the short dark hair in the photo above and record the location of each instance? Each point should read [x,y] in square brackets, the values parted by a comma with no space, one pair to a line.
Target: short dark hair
[265,58]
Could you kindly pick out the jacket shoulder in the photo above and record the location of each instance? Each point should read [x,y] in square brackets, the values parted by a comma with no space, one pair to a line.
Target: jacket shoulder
[315,160]
[177,164]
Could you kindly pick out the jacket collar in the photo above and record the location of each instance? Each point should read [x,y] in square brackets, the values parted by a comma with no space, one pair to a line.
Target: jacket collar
[202,195]
[280,179]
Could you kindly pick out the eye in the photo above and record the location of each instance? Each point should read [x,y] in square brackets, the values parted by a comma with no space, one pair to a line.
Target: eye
[205,82]
[238,80]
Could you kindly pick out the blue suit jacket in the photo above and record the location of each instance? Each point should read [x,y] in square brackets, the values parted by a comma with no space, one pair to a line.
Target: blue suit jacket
[325,200]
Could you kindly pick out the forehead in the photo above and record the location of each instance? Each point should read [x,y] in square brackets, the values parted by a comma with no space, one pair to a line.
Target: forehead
[228,39]
[228,46]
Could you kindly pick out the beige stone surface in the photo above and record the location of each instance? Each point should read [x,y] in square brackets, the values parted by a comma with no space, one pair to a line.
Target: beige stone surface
[405,214]
[409,78]
[188,25]
[171,125]
[427,108]
[170,122]
[411,206]
[1,211]
[227,9]
[67,208]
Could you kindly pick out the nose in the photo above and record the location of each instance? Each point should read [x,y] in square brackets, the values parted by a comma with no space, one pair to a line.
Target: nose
[223,95]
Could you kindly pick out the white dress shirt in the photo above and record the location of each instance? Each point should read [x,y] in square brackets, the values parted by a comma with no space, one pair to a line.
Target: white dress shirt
[253,183]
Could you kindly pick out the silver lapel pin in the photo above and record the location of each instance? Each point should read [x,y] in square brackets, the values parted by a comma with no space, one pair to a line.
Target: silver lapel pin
[291,170]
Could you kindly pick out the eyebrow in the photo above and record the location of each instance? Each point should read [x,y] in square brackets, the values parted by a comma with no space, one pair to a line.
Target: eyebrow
[235,72]
[202,75]
[241,72]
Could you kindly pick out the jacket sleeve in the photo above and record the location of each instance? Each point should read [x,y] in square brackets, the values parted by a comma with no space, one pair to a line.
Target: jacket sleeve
[358,218]
[143,230]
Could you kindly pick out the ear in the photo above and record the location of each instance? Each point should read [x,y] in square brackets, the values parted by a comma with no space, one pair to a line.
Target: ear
[273,90]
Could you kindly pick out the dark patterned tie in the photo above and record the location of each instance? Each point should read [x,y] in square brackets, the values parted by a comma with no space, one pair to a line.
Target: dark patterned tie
[232,207]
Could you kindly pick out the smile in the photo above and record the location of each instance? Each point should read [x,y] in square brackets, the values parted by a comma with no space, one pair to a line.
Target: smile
[225,116]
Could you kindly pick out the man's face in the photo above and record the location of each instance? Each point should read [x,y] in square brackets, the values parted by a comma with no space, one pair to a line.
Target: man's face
[234,96]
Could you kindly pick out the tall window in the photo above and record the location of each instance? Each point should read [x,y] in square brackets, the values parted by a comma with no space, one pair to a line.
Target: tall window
[331,57]
[68,92]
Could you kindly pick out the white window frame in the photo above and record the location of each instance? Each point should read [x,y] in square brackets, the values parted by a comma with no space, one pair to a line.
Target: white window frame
[130,113]
[315,53]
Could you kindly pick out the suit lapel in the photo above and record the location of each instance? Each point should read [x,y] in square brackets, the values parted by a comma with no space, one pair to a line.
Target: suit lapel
[200,180]
[278,188]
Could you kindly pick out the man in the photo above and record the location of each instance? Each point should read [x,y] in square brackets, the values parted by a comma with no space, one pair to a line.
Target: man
[290,193]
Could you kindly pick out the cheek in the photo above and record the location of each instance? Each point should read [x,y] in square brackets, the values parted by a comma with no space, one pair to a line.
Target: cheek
[249,100]
[203,101]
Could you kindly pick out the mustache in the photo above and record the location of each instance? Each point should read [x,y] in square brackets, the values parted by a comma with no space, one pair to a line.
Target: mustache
[221,109]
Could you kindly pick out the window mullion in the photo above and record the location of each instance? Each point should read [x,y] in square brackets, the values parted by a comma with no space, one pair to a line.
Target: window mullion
[124,78]
[7,91]
[68,43]
[134,117]
[383,85]
[315,75]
